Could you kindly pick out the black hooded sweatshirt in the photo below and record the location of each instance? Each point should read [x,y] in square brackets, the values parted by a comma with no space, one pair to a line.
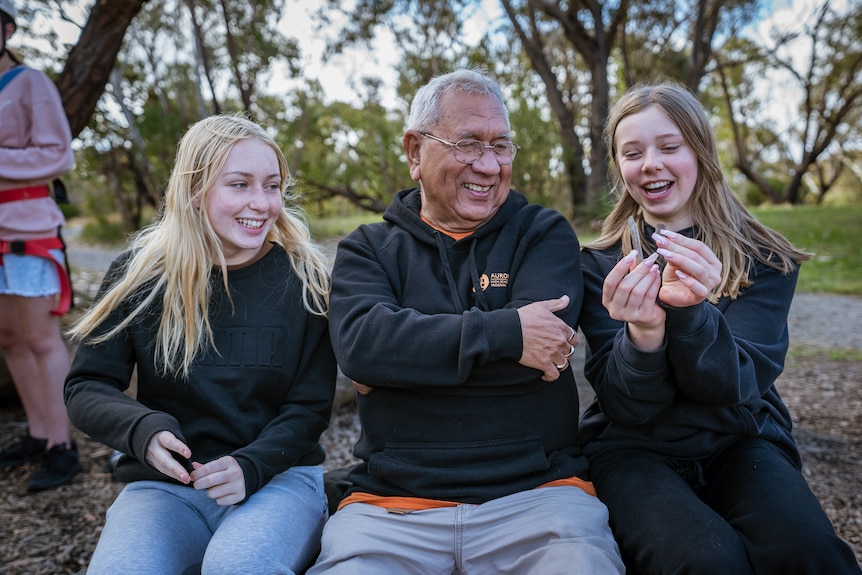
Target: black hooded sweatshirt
[431,324]
[713,381]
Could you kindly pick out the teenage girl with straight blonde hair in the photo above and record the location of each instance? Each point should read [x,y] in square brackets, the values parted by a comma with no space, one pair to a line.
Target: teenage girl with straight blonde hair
[689,443]
[221,307]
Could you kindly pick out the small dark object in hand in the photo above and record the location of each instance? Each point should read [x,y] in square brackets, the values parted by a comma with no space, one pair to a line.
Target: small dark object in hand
[184,461]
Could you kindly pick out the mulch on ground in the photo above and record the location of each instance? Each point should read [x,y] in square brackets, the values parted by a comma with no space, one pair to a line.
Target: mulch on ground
[54,532]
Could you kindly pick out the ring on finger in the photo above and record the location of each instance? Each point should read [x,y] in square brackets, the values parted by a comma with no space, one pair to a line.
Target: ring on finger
[563,366]
[572,335]
[571,351]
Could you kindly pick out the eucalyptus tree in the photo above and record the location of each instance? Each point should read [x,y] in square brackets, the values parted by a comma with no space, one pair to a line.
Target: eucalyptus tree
[589,28]
[678,40]
[367,165]
[615,39]
[582,50]
[540,172]
[127,147]
[831,84]
[818,63]
[343,154]
[88,63]
[155,89]
[235,42]
[427,33]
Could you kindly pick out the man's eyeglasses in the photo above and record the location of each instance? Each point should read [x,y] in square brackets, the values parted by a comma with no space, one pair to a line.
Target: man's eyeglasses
[469,151]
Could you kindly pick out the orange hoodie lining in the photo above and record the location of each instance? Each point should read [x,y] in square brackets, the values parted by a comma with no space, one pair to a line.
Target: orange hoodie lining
[454,235]
[409,504]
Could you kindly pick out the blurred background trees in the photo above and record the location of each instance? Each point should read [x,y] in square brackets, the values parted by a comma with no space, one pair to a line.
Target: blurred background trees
[786,98]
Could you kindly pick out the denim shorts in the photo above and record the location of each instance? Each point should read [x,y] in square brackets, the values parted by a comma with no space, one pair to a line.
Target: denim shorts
[30,276]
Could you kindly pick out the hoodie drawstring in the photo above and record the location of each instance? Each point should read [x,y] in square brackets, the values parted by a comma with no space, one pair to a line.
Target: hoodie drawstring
[447,271]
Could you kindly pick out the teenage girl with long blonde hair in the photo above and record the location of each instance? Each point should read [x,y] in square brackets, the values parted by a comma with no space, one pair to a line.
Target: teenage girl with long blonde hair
[221,309]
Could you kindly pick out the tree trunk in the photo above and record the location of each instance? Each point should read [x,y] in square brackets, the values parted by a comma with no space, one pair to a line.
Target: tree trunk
[242,83]
[91,60]
[203,63]
[145,188]
[597,180]
[573,150]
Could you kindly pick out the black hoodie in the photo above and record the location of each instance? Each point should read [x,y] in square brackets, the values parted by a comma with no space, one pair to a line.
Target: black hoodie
[431,324]
[713,381]
[262,393]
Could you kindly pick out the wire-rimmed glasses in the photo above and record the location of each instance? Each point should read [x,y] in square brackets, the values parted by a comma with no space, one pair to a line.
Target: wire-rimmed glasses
[469,151]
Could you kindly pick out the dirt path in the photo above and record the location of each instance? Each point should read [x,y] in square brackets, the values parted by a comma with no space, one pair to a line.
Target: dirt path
[826,321]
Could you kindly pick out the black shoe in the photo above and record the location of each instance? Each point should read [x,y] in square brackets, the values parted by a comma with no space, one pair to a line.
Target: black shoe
[59,466]
[27,450]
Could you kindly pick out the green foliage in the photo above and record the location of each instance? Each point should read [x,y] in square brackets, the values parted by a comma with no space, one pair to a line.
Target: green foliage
[832,234]
[848,188]
[159,88]
[754,195]
[346,154]
[339,150]
[538,171]
[647,47]
[102,231]
[70,210]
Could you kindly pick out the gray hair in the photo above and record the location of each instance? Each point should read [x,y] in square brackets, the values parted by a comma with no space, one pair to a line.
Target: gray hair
[425,111]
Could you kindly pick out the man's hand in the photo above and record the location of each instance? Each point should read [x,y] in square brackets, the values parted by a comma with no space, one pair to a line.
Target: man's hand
[548,341]
[361,388]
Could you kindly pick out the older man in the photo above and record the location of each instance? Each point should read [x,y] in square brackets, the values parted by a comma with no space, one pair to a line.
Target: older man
[455,315]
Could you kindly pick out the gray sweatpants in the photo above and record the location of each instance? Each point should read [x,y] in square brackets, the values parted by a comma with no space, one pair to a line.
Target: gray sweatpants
[544,531]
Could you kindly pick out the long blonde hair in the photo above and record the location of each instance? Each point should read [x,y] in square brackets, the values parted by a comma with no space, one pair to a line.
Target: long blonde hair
[720,220]
[173,259]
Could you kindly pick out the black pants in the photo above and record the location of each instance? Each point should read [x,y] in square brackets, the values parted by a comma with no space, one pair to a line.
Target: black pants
[745,510]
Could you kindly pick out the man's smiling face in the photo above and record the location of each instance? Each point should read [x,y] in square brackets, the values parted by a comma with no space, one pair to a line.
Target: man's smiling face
[460,197]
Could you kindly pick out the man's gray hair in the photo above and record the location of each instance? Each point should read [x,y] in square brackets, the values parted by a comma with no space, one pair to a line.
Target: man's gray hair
[425,111]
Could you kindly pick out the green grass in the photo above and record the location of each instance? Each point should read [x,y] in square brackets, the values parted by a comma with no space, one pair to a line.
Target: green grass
[832,234]
[803,351]
[338,226]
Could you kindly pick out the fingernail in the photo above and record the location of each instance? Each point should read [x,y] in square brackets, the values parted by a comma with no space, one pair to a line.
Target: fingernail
[659,240]
[650,260]
[630,257]
[666,253]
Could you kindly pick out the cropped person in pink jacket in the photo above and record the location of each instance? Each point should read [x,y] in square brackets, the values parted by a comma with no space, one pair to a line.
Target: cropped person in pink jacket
[35,148]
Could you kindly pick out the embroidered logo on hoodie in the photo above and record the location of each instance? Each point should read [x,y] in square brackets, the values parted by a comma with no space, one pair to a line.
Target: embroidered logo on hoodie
[496,279]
